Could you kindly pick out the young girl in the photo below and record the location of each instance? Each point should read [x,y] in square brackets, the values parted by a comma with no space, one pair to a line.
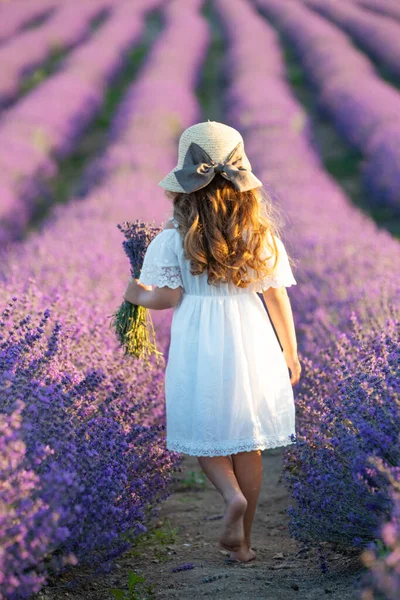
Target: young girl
[227,385]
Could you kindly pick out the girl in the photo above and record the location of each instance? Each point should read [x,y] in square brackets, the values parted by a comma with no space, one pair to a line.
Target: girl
[227,386]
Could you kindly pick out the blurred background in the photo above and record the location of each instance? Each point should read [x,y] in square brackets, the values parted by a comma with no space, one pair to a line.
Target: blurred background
[93,98]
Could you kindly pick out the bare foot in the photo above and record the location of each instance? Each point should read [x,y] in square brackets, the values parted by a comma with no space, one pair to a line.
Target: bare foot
[245,554]
[232,536]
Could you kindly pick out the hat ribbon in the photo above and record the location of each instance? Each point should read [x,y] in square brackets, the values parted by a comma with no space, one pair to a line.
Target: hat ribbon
[199,169]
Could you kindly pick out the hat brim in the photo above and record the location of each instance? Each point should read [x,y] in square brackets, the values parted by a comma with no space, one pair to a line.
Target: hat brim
[170,182]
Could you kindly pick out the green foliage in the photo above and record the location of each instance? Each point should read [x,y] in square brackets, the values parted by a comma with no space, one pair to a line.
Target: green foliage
[37,77]
[156,539]
[41,73]
[166,534]
[213,80]
[135,331]
[133,63]
[194,480]
[382,551]
[132,593]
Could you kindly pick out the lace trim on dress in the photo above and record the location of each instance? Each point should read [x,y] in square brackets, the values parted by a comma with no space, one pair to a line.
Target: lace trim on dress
[231,447]
[161,276]
[274,281]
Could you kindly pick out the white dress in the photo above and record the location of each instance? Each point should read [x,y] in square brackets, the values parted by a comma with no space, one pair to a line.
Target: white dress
[227,385]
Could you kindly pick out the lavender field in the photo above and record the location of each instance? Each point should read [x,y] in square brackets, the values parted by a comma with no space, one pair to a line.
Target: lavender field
[93,98]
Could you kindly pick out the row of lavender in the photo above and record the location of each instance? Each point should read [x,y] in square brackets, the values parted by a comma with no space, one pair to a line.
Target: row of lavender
[66,27]
[364,108]
[44,126]
[17,15]
[346,305]
[86,478]
[377,34]
[391,8]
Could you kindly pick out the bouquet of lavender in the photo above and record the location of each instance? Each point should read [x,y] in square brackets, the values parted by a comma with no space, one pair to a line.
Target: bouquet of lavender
[133,324]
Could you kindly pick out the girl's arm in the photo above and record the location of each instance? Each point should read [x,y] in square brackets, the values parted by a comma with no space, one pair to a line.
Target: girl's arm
[280,310]
[157,299]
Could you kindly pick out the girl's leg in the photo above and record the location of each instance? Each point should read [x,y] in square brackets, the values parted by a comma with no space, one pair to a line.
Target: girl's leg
[219,470]
[247,467]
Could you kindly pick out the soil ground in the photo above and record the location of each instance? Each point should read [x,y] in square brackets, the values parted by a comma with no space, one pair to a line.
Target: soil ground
[189,524]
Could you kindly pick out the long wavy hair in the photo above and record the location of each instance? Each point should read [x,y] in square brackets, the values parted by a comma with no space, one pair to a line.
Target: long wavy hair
[227,232]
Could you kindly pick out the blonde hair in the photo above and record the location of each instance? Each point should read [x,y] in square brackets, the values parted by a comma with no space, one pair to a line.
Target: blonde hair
[211,222]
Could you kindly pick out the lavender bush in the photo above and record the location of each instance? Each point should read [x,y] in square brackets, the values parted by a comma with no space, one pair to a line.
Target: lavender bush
[377,34]
[65,28]
[383,556]
[176,75]
[46,124]
[345,307]
[352,413]
[390,8]
[362,106]
[15,16]
[78,454]
[112,409]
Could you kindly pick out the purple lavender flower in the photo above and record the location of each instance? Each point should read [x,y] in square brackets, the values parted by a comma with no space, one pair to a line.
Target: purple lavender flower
[377,34]
[46,123]
[349,89]
[100,419]
[389,8]
[138,236]
[183,567]
[132,323]
[16,16]
[382,556]
[346,306]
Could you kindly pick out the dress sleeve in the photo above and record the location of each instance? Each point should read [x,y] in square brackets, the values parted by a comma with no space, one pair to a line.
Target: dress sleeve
[282,275]
[161,266]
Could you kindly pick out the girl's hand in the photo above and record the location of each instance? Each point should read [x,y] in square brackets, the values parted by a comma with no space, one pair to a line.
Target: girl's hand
[293,364]
[133,291]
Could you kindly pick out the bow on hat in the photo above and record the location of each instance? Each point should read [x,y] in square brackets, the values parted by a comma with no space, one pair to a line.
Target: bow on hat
[199,169]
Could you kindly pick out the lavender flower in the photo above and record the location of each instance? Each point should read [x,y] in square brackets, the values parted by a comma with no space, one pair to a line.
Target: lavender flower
[183,567]
[346,306]
[132,323]
[389,8]
[138,236]
[16,16]
[377,34]
[363,107]
[65,28]
[382,556]
[46,124]
[102,418]
[69,464]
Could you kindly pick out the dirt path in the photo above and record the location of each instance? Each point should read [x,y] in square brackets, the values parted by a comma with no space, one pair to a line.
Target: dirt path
[278,572]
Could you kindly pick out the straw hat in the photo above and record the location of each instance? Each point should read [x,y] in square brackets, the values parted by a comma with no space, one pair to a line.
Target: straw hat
[218,141]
